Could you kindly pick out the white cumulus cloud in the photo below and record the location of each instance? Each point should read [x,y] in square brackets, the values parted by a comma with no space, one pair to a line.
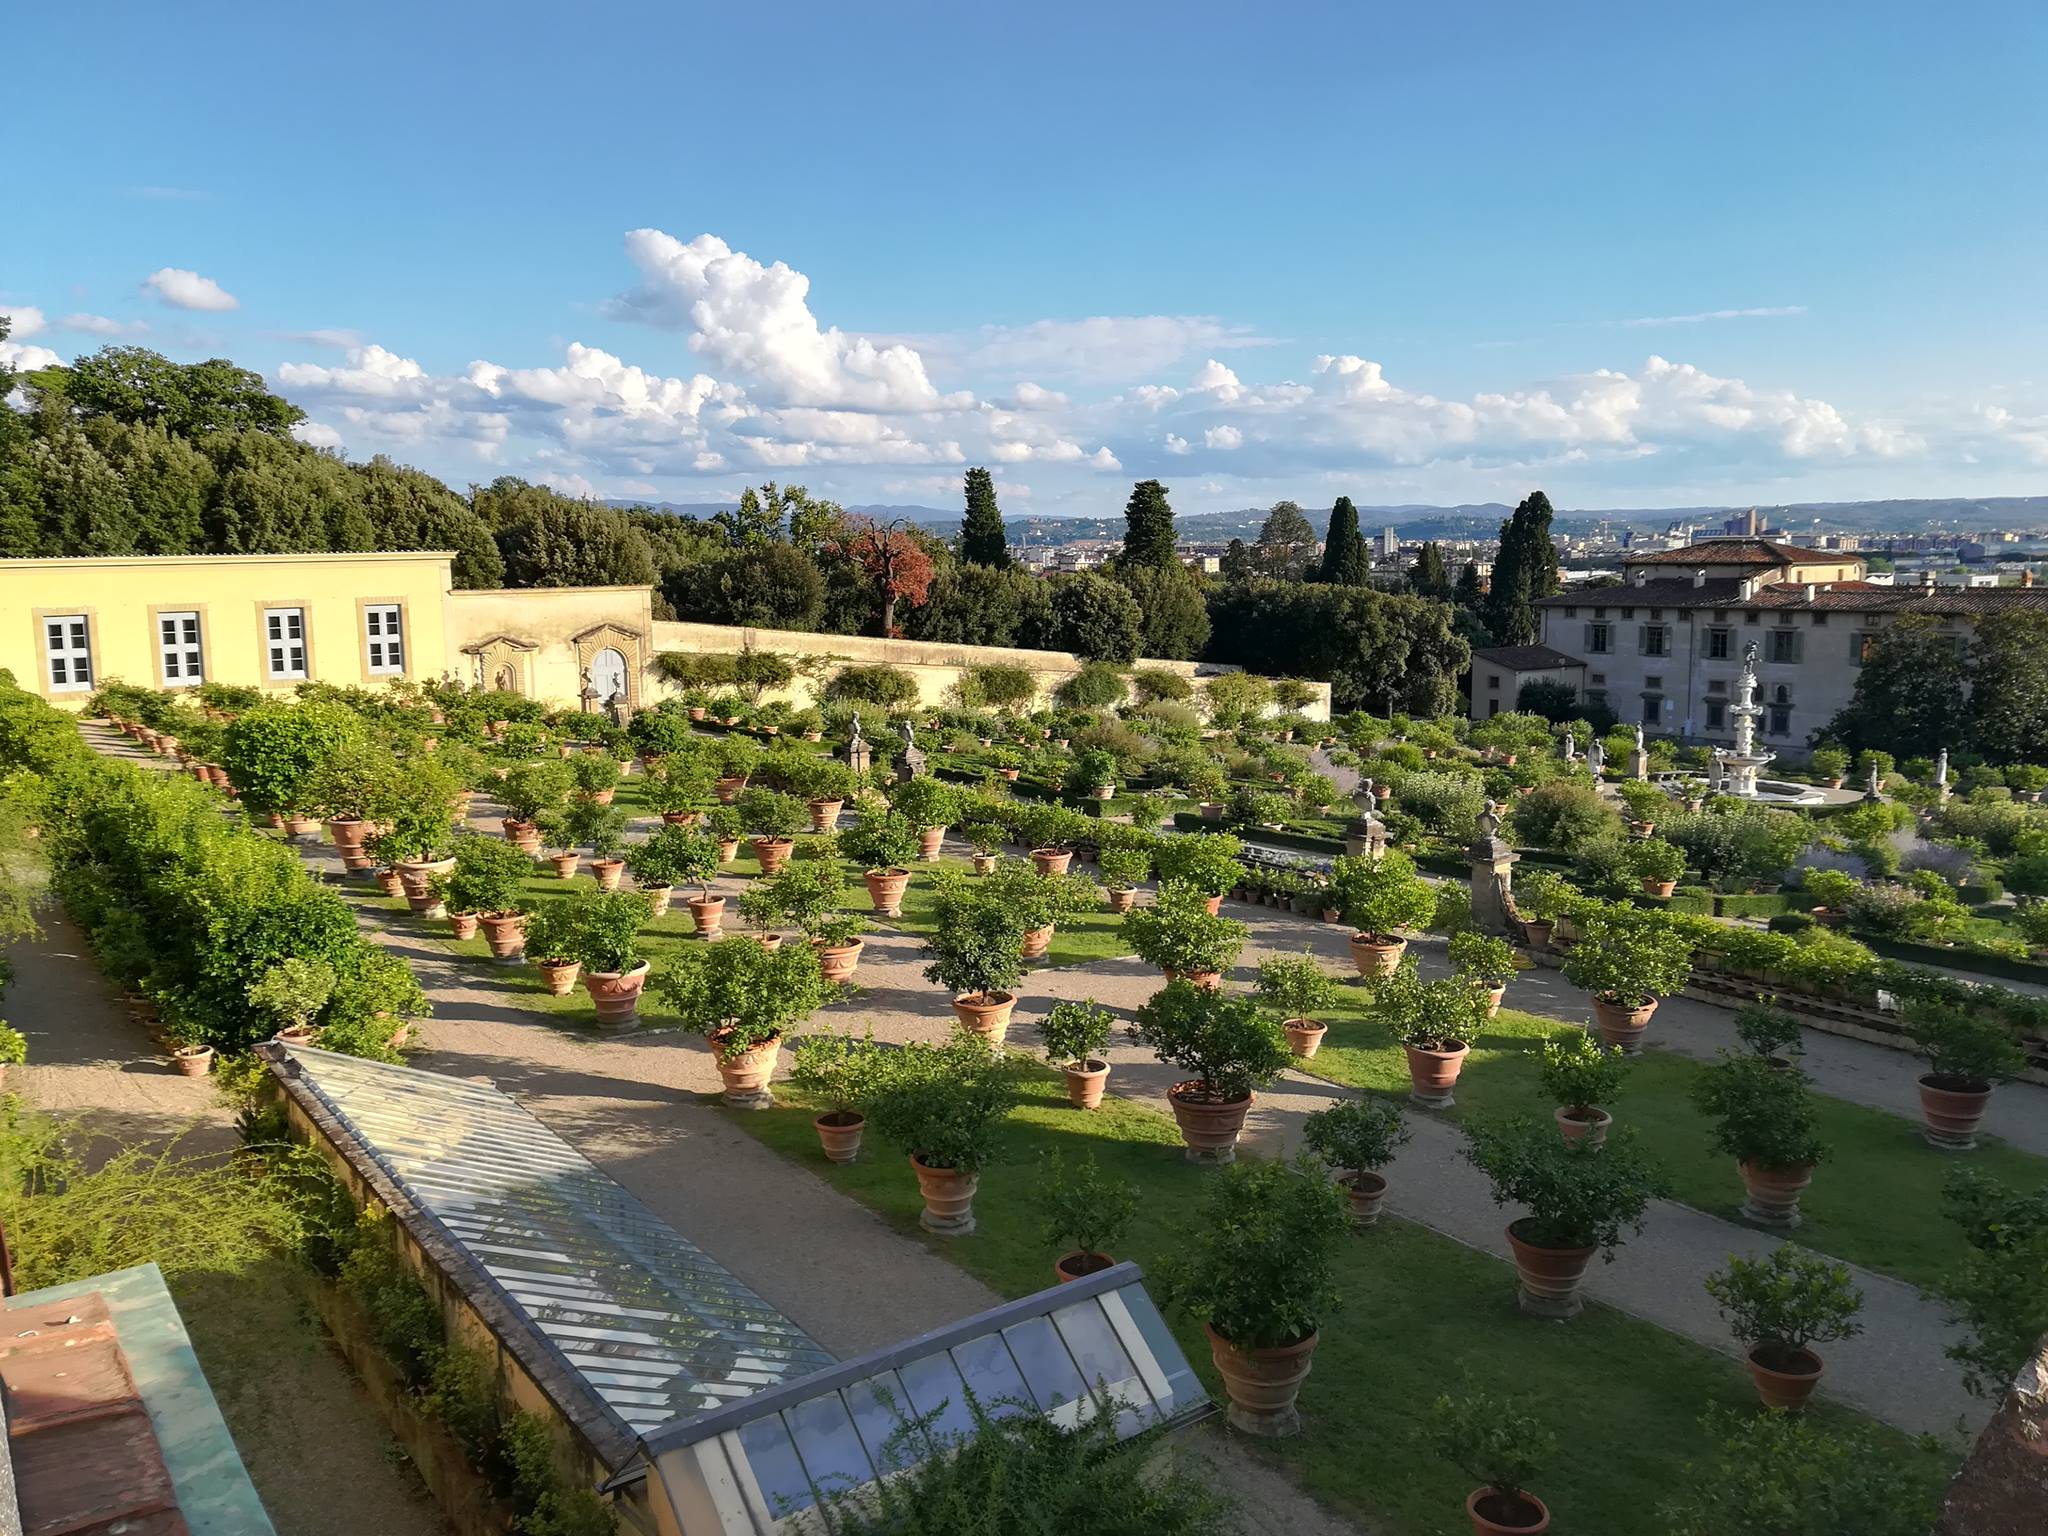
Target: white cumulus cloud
[183,289]
[102,325]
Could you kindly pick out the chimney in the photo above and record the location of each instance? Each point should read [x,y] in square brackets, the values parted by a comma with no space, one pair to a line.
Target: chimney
[1927,579]
[2027,577]
[1642,576]
[1699,577]
[1811,591]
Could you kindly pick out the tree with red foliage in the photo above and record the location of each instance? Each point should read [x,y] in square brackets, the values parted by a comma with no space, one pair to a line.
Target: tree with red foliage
[896,560]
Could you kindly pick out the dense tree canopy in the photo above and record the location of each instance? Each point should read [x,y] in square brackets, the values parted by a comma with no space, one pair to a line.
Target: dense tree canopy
[1286,547]
[1175,625]
[982,541]
[1909,697]
[1377,651]
[550,541]
[141,388]
[2009,687]
[1524,570]
[1429,576]
[1345,561]
[1095,617]
[1149,536]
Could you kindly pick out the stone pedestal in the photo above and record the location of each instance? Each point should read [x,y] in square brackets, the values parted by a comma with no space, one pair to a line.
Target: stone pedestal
[1493,864]
[859,756]
[911,763]
[1639,764]
[1366,837]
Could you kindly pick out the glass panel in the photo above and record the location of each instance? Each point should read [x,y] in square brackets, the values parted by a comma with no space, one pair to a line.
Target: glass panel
[934,1387]
[826,1440]
[1166,1353]
[773,1460]
[991,1373]
[1048,1368]
[1102,1360]
[880,1410]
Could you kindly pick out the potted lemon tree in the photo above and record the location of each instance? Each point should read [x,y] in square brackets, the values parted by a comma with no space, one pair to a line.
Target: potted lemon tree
[1356,1138]
[743,998]
[1075,1036]
[1084,1211]
[1435,1023]
[1296,987]
[1627,959]
[1379,896]
[944,1106]
[1779,1307]
[1228,1047]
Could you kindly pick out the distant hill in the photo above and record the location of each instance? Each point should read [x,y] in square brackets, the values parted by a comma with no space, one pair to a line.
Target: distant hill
[1470,520]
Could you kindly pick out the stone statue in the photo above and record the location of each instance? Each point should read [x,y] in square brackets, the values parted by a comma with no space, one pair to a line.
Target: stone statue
[1639,737]
[1368,802]
[1596,756]
[1493,863]
[1941,770]
[913,757]
[1571,746]
[1489,819]
[615,708]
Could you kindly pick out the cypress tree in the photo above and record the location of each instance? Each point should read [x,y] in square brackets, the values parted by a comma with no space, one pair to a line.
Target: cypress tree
[1148,526]
[1524,570]
[1345,562]
[1430,576]
[1468,591]
[982,541]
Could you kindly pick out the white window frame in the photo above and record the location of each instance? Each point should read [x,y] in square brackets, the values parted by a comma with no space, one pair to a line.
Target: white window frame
[181,657]
[281,650]
[384,639]
[67,651]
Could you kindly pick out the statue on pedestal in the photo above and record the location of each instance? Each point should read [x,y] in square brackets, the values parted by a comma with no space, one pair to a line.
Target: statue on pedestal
[1493,862]
[859,755]
[1941,773]
[1596,756]
[913,756]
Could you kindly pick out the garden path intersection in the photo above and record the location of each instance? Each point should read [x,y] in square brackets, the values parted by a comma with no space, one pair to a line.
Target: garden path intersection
[643,1106]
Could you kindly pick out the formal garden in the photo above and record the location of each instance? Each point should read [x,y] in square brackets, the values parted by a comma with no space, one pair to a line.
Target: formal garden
[1127,973]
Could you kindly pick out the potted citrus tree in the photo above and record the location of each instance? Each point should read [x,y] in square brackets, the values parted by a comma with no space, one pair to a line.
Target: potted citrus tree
[807,894]
[1379,897]
[292,992]
[678,787]
[1627,959]
[1581,1076]
[603,827]
[1779,1307]
[1766,1120]
[1485,961]
[1578,1200]
[1075,1036]
[1257,1271]
[1356,1138]
[355,790]
[1179,934]
[1123,870]
[550,943]
[944,1106]
[1656,865]
[884,844]
[976,954]
[837,1071]
[604,939]
[1094,774]
[743,997]
[1041,902]
[596,776]
[528,792]
[1208,861]
[1083,1212]
[1968,1053]
[489,880]
[772,819]
[1296,987]
[1504,1448]
[928,804]
[1770,1032]
[1228,1047]
[1435,1023]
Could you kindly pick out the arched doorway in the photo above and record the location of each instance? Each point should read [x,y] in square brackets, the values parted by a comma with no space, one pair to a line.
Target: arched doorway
[608,677]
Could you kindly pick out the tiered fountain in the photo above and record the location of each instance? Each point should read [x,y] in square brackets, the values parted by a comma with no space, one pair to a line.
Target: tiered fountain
[1739,767]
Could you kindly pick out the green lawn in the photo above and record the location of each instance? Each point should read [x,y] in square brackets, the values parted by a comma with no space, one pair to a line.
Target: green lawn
[1421,1314]
[1875,1201]
[1082,940]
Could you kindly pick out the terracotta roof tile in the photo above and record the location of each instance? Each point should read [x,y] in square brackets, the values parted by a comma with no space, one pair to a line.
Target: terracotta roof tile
[1735,551]
[1526,658]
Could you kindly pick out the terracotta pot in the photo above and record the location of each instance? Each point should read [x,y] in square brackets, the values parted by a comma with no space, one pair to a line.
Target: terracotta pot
[1774,1193]
[768,941]
[839,1132]
[1304,1036]
[349,835]
[1494,994]
[1492,1515]
[523,835]
[659,898]
[746,1074]
[1538,930]
[929,841]
[987,1015]
[729,789]
[1375,956]
[1622,1026]
[1366,1191]
[1008,775]
[1658,887]
[608,872]
[836,962]
[1104,791]
[1208,1128]
[1121,902]
[416,878]
[886,888]
[1788,1383]
[1951,1111]
[194,1061]
[825,814]
[1051,861]
[695,711]
[295,1034]
[616,996]
[1592,1131]
[1550,1277]
[1211,810]
[1036,942]
[814,735]
[389,883]
[707,914]
[984,863]
[1080,1264]
[948,1199]
[1085,1083]
[565,864]
[681,818]
[1263,1384]
[505,932]
[1432,1075]
[773,852]
[464,924]
[600,796]
[299,828]
[728,849]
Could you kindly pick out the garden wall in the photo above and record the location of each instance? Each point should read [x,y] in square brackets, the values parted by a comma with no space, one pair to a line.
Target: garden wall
[935,667]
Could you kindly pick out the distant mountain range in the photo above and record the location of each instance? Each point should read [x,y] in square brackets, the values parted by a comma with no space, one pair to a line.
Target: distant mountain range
[1413,520]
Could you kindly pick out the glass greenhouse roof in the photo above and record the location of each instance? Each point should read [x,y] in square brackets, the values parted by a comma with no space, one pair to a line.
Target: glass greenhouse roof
[1096,1345]
[657,1329]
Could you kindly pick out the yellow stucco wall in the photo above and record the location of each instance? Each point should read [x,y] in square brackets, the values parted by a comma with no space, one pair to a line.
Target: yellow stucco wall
[120,599]
[546,637]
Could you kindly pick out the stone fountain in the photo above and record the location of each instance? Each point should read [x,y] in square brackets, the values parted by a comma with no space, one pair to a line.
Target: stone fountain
[1738,768]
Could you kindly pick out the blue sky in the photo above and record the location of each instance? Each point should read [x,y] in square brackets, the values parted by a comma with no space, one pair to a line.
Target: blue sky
[1633,256]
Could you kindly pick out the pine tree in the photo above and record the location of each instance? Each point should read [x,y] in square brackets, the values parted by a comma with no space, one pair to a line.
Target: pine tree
[1345,562]
[1148,526]
[1430,576]
[982,541]
[1467,591]
[1524,570]
[1286,546]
